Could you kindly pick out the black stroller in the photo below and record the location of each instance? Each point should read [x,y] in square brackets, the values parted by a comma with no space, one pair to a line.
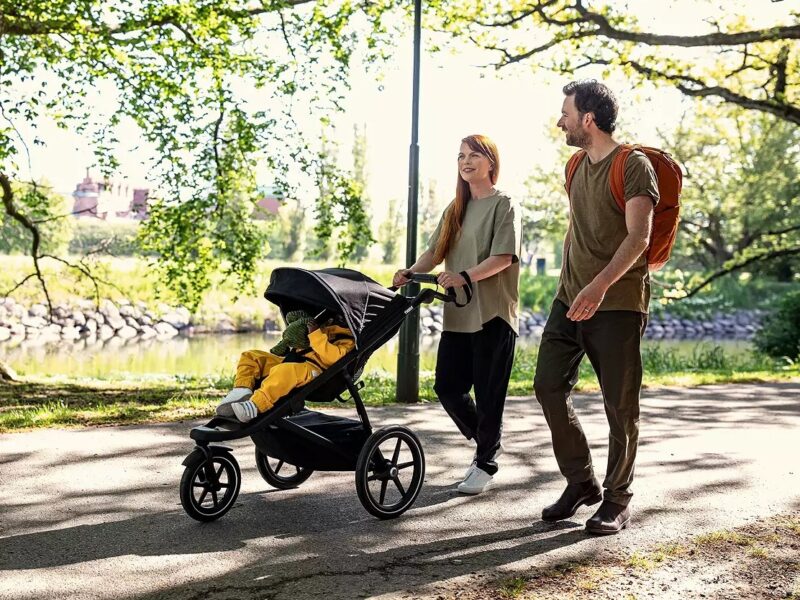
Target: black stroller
[292,442]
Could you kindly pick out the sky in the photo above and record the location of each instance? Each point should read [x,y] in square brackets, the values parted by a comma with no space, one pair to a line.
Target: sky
[516,107]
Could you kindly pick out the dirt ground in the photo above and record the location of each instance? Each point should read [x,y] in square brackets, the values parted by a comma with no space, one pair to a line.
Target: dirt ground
[757,561]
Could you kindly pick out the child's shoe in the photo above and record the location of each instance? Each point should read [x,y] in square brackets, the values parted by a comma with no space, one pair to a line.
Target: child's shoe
[245,410]
[235,395]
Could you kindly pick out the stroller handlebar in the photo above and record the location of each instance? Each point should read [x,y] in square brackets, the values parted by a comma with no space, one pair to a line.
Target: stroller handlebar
[428,295]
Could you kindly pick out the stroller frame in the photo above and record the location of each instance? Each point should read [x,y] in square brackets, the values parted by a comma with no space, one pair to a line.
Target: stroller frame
[213,469]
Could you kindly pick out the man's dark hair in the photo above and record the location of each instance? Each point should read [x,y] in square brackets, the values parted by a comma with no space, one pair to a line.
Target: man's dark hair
[594,97]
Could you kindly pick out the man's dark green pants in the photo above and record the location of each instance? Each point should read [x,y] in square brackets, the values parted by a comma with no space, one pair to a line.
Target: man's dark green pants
[611,339]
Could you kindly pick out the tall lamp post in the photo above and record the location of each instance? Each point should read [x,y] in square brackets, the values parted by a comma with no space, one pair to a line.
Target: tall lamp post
[408,357]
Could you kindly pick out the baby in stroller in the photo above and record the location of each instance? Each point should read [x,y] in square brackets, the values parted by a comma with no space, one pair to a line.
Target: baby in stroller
[304,351]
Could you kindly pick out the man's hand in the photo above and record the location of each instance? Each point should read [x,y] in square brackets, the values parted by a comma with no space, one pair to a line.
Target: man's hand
[587,302]
[446,279]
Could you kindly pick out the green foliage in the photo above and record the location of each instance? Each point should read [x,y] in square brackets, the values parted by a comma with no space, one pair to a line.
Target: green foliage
[340,210]
[537,292]
[212,86]
[545,207]
[725,55]
[741,199]
[101,237]
[780,333]
[389,234]
[49,210]
[724,295]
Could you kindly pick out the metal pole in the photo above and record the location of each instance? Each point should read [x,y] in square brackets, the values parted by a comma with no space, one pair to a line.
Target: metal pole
[408,357]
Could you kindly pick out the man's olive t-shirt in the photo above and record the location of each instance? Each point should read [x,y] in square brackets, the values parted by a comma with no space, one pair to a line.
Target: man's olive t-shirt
[597,228]
[492,226]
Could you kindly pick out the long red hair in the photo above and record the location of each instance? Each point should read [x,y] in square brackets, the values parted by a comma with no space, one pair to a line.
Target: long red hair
[454,217]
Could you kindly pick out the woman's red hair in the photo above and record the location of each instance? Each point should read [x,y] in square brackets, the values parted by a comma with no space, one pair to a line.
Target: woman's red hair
[454,217]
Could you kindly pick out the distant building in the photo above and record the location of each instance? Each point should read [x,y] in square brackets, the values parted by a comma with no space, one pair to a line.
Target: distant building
[109,200]
[269,203]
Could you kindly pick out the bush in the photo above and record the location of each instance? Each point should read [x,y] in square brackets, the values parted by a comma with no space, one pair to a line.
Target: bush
[116,239]
[779,335]
[536,292]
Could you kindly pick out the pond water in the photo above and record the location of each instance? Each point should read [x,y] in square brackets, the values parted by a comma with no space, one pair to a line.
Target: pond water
[210,355]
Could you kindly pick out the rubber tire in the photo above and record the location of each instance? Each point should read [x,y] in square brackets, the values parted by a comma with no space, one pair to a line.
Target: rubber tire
[194,465]
[278,481]
[363,470]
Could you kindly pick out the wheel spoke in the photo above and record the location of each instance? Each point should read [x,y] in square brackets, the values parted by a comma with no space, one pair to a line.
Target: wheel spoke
[224,485]
[278,467]
[214,497]
[202,497]
[383,491]
[373,478]
[396,454]
[399,485]
[405,465]
[219,471]
[200,485]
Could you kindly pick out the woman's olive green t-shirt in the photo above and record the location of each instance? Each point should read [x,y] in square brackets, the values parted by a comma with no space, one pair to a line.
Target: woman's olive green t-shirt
[492,226]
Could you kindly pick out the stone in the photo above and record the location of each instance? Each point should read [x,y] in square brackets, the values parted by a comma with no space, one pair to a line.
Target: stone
[133,323]
[5,334]
[90,326]
[116,322]
[224,326]
[105,332]
[109,309]
[38,310]
[33,322]
[147,332]
[165,330]
[70,333]
[175,319]
[127,332]
[126,310]
[78,318]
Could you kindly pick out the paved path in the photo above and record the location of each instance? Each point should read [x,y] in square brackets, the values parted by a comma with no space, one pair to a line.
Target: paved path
[94,513]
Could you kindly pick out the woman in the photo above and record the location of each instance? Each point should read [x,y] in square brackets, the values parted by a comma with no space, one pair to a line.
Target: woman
[478,238]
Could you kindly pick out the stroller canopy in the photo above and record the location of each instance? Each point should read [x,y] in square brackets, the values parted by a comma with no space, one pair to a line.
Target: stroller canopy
[350,294]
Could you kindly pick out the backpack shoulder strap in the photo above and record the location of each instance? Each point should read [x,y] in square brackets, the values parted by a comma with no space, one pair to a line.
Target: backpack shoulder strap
[572,166]
[617,175]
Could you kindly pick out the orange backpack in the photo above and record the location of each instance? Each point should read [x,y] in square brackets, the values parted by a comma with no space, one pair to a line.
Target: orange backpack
[666,214]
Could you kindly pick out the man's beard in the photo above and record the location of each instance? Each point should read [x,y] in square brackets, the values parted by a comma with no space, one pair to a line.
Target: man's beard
[578,138]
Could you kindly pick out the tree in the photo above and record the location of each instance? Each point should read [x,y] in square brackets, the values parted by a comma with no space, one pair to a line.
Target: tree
[741,199]
[756,68]
[545,208]
[213,85]
[45,209]
[429,214]
[389,234]
[361,249]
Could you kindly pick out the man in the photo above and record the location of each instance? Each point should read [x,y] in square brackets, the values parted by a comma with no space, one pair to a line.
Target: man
[600,310]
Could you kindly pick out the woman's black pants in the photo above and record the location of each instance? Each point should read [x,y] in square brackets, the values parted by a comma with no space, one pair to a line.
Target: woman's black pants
[481,360]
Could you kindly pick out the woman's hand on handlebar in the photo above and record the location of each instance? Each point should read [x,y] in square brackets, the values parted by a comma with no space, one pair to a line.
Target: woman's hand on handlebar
[448,279]
[401,277]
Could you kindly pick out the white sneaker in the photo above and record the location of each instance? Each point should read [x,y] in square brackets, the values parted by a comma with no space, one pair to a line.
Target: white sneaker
[474,462]
[225,408]
[476,481]
[245,410]
[236,394]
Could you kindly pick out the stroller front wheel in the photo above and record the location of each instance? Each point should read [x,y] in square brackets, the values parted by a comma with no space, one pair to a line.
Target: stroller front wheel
[390,471]
[291,477]
[209,488]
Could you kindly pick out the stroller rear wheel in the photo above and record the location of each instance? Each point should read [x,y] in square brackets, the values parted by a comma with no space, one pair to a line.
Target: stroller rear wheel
[208,491]
[390,471]
[280,475]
